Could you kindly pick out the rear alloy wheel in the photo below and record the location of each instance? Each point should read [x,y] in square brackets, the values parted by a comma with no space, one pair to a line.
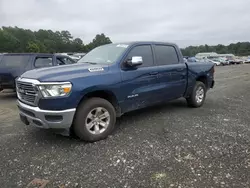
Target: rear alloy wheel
[95,120]
[198,95]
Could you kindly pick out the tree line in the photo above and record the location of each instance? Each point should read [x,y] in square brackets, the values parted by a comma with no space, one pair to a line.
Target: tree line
[239,49]
[14,39]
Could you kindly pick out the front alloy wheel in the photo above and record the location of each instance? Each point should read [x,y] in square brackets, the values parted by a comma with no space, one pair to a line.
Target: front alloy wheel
[94,120]
[97,120]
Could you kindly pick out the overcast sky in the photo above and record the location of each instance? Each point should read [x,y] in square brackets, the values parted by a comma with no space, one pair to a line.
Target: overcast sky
[185,22]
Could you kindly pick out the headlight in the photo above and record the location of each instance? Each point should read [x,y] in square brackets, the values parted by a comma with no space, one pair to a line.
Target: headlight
[55,90]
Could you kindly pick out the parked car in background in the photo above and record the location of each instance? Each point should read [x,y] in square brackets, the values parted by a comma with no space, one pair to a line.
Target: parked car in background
[214,61]
[73,57]
[247,60]
[113,79]
[192,59]
[13,65]
[79,55]
[223,61]
[236,60]
[69,55]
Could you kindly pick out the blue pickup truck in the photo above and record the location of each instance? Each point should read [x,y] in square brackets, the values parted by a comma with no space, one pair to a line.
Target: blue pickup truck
[87,97]
[12,65]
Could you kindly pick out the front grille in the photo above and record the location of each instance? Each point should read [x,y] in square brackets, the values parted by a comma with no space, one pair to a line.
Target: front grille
[26,92]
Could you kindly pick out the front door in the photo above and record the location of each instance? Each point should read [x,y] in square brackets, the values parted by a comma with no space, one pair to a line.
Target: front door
[139,84]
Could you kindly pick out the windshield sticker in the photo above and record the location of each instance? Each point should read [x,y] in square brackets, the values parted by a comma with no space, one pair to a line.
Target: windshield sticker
[122,45]
[96,69]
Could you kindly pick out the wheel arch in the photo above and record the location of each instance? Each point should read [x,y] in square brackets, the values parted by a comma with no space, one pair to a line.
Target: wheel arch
[104,94]
[203,79]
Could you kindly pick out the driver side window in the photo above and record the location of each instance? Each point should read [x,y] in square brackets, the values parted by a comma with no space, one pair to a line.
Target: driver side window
[145,51]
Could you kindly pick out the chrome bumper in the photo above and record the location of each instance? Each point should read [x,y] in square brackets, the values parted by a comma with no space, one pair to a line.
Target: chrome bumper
[45,118]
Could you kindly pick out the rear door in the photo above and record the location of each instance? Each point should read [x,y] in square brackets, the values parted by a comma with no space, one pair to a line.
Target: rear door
[139,83]
[172,72]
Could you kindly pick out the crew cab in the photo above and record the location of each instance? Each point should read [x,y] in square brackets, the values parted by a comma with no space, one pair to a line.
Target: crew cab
[87,97]
[13,65]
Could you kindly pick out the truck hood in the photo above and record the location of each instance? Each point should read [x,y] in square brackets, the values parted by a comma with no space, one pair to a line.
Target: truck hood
[65,72]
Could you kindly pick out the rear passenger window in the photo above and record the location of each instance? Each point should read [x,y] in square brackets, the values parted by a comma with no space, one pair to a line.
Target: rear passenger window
[166,55]
[145,52]
[43,62]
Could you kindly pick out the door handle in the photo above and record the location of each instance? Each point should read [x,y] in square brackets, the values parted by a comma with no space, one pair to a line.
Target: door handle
[154,73]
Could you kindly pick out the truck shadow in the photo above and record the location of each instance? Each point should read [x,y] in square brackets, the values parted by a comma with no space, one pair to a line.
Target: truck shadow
[128,119]
[50,137]
[162,108]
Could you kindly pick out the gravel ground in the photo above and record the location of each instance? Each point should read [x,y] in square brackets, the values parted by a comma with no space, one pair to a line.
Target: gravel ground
[169,145]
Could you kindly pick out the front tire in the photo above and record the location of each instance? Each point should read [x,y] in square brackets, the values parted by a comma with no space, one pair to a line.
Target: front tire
[95,120]
[198,95]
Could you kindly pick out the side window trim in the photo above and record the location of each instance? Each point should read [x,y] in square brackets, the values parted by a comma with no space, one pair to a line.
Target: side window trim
[169,45]
[40,56]
[131,48]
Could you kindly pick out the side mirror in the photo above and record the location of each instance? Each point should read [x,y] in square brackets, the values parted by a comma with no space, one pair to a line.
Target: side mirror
[135,61]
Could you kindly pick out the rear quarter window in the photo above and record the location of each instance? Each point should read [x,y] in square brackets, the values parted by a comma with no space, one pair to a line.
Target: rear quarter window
[41,62]
[14,60]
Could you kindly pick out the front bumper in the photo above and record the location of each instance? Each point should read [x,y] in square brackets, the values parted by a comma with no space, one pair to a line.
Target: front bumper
[45,118]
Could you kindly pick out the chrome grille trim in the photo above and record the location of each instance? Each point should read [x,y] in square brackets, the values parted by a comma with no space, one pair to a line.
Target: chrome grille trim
[27,91]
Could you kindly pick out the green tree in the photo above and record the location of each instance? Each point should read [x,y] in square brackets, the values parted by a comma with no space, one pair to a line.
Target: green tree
[8,42]
[15,39]
[99,40]
[32,47]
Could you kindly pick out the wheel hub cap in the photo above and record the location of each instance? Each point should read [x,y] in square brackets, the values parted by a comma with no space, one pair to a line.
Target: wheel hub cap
[97,120]
[199,95]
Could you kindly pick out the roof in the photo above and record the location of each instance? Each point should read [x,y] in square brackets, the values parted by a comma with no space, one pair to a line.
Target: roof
[144,42]
[27,54]
[207,53]
[43,54]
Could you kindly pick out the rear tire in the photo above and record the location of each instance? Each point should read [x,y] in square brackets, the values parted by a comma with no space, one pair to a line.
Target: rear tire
[198,95]
[95,120]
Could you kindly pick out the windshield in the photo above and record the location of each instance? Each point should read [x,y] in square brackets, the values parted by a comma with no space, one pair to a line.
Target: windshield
[14,60]
[106,54]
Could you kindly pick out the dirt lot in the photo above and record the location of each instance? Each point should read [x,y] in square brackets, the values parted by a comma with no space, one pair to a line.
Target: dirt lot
[165,146]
